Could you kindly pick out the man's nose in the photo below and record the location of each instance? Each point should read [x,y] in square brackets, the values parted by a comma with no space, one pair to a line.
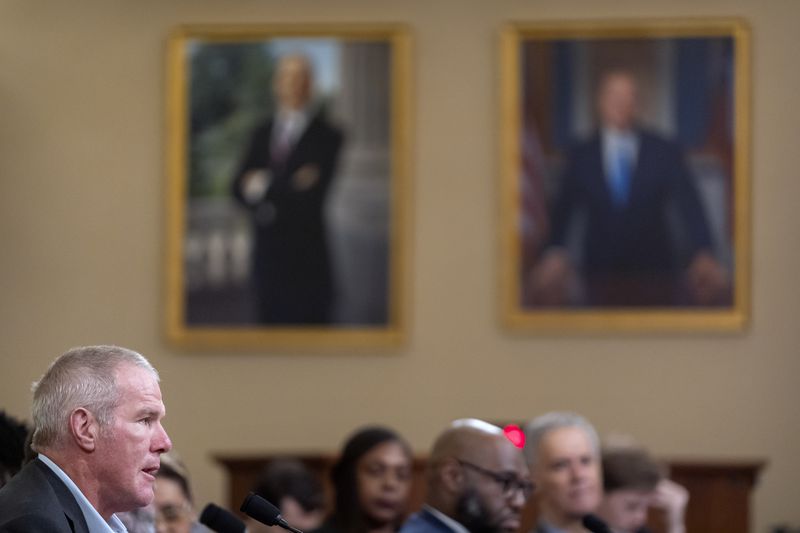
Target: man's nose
[162,443]
[517,500]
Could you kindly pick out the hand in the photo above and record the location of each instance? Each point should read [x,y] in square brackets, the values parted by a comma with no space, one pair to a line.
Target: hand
[254,185]
[709,281]
[672,499]
[551,277]
[306,177]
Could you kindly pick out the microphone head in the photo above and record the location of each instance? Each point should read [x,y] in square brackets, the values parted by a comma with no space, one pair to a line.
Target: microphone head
[257,507]
[221,520]
[594,524]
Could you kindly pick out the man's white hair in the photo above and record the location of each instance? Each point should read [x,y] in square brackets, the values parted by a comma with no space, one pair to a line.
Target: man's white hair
[537,428]
[81,377]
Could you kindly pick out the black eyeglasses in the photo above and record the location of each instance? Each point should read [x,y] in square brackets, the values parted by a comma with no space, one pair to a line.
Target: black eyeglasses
[508,482]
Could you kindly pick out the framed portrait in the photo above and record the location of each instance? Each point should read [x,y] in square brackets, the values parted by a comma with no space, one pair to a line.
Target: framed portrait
[625,191]
[288,182]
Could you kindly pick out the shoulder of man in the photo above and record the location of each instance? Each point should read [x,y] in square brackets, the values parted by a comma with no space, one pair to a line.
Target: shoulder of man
[33,523]
[322,123]
[579,147]
[36,500]
[656,139]
[264,128]
[424,522]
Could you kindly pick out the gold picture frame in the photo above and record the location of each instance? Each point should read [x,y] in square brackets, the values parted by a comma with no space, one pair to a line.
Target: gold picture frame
[300,249]
[574,257]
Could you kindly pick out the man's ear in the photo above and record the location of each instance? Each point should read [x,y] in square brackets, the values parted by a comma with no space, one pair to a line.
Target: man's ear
[452,475]
[84,429]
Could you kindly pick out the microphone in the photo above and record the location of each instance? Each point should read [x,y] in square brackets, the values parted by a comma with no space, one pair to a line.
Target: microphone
[221,520]
[260,509]
[594,524]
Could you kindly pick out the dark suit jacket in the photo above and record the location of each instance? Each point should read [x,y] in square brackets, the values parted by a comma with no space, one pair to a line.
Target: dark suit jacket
[291,265]
[655,235]
[36,500]
[424,522]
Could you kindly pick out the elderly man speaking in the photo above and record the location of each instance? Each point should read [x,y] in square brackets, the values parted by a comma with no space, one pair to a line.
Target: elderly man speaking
[97,415]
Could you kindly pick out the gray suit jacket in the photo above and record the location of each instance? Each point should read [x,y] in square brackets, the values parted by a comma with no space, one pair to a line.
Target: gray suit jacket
[37,501]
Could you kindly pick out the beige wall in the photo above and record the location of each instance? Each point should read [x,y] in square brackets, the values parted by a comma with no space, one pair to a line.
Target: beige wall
[81,231]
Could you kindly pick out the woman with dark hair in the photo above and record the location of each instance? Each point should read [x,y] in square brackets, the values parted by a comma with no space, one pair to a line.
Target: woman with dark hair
[372,480]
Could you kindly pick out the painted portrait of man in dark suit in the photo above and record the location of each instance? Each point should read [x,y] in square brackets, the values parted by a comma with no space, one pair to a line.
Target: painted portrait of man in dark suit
[625,223]
[289,184]
[283,181]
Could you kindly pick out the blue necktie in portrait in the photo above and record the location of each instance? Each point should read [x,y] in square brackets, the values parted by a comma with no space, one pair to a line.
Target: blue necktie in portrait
[621,176]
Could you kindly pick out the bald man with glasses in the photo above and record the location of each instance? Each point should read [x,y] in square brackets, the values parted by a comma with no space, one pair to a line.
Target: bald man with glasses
[478,482]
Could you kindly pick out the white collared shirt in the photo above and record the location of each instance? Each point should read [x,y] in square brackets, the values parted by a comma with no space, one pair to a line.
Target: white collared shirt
[95,522]
[457,527]
[289,125]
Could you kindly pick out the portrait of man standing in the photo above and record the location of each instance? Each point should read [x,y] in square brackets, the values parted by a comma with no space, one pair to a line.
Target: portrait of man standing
[283,181]
[644,238]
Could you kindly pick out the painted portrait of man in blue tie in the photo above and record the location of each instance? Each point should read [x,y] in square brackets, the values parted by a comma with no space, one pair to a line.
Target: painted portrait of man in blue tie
[627,223]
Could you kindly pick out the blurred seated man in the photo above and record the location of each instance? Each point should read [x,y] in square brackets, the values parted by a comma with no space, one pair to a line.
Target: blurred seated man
[563,453]
[477,482]
[295,490]
[633,483]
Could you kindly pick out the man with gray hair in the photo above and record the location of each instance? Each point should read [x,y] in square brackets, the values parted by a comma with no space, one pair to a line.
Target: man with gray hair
[477,482]
[563,453]
[97,415]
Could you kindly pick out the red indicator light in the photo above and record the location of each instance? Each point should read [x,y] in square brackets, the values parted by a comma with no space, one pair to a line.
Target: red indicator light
[515,435]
